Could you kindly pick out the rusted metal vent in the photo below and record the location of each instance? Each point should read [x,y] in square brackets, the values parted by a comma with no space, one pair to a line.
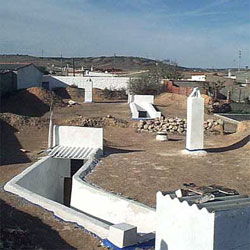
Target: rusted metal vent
[213,197]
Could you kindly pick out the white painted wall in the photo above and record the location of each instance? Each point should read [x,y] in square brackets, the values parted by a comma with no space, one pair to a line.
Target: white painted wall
[108,206]
[142,102]
[198,78]
[195,120]
[88,91]
[29,76]
[80,81]
[75,136]
[36,177]
[47,178]
[182,227]
[143,98]
[100,74]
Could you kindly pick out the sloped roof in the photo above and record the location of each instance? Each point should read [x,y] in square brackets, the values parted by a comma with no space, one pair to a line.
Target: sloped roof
[4,67]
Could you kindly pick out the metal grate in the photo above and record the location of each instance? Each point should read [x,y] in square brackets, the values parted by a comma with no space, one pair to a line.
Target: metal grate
[67,152]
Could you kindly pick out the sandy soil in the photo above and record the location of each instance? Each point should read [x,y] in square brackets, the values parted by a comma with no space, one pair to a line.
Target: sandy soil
[135,165]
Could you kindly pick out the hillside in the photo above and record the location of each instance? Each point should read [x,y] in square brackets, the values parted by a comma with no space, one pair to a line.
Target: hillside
[125,63]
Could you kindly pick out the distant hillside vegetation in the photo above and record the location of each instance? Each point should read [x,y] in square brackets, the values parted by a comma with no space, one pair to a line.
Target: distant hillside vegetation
[125,63]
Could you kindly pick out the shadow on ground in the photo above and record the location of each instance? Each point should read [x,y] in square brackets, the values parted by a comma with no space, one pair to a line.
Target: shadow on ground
[20,230]
[234,146]
[110,150]
[10,146]
[24,103]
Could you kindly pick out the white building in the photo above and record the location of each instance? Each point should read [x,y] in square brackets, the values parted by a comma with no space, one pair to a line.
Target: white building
[198,77]
[27,75]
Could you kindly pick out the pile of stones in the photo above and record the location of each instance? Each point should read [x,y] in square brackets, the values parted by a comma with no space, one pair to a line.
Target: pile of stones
[97,122]
[176,125]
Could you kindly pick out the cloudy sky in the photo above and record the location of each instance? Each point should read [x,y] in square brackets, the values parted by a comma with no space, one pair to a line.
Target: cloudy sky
[200,33]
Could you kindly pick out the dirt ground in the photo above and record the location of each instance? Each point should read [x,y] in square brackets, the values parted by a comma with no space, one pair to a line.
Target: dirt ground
[134,164]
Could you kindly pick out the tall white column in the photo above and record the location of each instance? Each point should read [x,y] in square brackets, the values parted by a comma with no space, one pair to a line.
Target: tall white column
[195,120]
[89,91]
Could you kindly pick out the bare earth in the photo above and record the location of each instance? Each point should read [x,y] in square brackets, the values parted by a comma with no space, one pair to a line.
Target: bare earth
[135,165]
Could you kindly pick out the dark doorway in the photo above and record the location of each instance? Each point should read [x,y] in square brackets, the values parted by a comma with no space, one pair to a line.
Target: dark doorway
[75,165]
[67,191]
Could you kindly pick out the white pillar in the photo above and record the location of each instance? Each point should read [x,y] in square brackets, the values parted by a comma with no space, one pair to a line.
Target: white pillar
[195,120]
[89,91]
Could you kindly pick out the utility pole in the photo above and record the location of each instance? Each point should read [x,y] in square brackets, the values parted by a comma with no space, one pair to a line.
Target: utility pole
[114,61]
[239,65]
[61,64]
[73,63]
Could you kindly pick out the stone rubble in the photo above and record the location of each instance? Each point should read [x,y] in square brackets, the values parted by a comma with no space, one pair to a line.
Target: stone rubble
[177,125]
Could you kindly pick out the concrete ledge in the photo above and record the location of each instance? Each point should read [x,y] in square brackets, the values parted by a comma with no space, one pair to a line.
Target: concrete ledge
[98,227]
[199,152]
[115,208]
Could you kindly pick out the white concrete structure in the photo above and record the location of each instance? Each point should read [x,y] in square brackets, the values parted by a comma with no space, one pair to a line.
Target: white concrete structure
[43,183]
[76,142]
[221,224]
[112,82]
[200,78]
[141,107]
[123,235]
[100,74]
[195,120]
[89,91]
[114,208]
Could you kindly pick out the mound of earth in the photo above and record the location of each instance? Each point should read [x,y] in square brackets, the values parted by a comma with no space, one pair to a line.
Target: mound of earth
[70,93]
[33,101]
[97,122]
[19,121]
[171,99]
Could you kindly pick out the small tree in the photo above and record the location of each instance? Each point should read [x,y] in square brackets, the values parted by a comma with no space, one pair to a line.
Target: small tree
[150,83]
[213,88]
[145,85]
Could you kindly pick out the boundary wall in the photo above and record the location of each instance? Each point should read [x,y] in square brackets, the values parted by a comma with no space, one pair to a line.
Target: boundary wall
[82,81]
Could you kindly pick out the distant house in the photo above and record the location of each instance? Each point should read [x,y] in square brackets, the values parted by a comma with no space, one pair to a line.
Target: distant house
[183,87]
[198,77]
[26,76]
[8,82]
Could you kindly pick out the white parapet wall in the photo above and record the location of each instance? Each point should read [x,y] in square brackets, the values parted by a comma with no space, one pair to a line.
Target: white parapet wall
[141,107]
[111,82]
[74,136]
[110,207]
[42,184]
[216,225]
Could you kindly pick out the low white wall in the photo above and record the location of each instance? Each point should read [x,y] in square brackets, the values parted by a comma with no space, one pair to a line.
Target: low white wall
[151,110]
[145,102]
[75,136]
[80,81]
[134,111]
[47,178]
[108,206]
[37,177]
[143,98]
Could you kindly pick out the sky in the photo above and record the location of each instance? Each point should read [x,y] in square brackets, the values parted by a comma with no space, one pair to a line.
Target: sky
[194,33]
